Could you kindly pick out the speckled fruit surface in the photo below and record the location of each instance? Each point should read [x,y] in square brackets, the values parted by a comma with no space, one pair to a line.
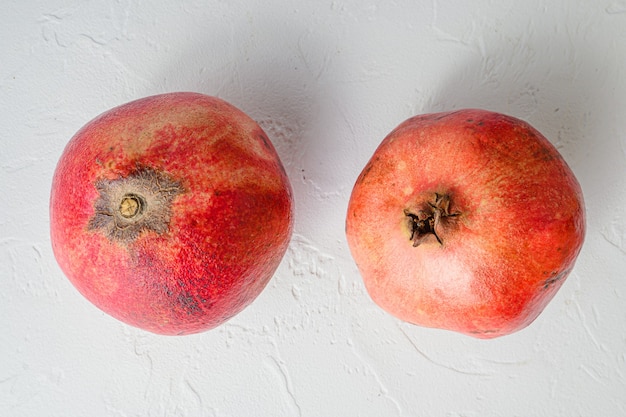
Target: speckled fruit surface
[171,212]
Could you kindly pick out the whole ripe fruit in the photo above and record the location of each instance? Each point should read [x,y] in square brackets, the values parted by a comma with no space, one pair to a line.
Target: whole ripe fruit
[468,221]
[170,213]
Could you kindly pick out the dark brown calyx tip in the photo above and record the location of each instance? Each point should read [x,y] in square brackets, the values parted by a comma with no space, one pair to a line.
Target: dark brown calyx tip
[430,219]
[128,206]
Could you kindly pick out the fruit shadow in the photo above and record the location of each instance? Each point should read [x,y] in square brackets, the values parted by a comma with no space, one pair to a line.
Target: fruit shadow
[280,89]
[560,85]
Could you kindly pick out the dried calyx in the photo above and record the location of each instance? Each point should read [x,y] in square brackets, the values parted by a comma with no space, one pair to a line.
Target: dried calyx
[128,206]
[431,218]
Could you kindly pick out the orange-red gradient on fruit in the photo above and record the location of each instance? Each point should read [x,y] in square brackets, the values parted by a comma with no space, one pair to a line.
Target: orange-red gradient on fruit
[515,225]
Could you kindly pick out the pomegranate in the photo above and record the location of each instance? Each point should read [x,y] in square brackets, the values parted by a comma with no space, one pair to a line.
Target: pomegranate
[170,213]
[468,221]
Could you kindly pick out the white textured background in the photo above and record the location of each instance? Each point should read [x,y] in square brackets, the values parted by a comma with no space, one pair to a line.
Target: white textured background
[327,80]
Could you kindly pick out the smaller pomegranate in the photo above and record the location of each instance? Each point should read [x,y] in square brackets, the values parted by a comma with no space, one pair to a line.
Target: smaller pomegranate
[468,221]
[170,213]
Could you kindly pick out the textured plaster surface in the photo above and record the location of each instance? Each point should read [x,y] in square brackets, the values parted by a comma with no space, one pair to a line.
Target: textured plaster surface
[327,80]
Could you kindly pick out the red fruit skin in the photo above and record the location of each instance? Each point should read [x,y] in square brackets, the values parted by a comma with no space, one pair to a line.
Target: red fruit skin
[519,226]
[228,229]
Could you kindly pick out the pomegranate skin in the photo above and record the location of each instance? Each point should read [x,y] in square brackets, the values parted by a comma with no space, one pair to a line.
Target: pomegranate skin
[468,221]
[170,213]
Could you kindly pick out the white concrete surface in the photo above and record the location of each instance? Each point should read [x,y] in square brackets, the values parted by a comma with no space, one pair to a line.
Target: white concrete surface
[327,80]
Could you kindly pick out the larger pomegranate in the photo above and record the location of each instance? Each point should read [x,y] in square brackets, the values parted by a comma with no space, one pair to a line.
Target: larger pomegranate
[170,213]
